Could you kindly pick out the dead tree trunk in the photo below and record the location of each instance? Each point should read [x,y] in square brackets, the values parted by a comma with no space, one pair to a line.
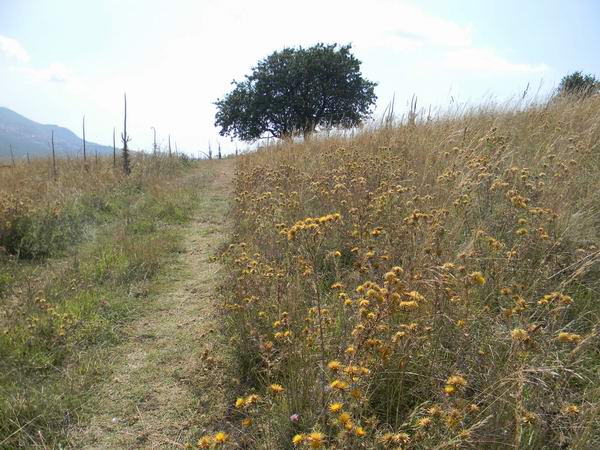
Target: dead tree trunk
[125,139]
[154,144]
[53,157]
[114,150]
[84,152]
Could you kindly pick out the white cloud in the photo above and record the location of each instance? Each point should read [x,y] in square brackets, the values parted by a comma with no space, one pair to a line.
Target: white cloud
[485,61]
[55,72]
[412,23]
[12,49]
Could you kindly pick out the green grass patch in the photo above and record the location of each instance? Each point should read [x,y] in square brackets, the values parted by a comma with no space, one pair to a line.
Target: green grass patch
[95,268]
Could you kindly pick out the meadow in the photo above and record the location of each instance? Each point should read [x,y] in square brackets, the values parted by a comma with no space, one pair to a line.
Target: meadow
[426,285]
[80,254]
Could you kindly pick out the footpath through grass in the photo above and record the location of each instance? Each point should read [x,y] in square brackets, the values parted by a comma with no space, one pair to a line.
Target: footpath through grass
[168,383]
[62,312]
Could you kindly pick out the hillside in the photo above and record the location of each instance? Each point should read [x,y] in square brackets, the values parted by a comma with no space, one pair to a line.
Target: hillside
[27,136]
[422,286]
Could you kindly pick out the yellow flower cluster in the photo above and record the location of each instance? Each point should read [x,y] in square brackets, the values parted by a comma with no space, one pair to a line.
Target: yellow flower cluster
[310,224]
[217,439]
[460,255]
[454,383]
[245,402]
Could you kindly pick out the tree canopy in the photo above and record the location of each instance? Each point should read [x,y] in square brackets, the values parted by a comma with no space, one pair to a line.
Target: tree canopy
[297,91]
[579,84]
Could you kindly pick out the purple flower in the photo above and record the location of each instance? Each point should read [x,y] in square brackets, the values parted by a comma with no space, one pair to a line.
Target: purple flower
[294,418]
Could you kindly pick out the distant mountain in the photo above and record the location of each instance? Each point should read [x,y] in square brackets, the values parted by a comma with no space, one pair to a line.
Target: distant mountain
[27,136]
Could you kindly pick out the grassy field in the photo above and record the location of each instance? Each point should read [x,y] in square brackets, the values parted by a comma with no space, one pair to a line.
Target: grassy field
[80,256]
[434,285]
[425,286]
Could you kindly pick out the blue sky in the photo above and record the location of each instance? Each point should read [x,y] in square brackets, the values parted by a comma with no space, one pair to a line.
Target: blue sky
[60,59]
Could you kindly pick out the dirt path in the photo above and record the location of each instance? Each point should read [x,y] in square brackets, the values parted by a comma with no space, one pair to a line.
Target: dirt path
[166,385]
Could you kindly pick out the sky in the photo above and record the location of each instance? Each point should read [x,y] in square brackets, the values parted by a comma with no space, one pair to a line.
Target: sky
[62,59]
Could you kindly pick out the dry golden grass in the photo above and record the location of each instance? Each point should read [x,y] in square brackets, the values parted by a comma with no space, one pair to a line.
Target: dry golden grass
[41,212]
[426,286]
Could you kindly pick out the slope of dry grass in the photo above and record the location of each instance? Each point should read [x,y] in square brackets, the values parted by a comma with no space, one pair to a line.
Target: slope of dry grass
[425,286]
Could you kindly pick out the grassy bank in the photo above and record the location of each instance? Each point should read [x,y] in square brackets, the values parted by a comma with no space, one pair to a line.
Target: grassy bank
[80,256]
[427,286]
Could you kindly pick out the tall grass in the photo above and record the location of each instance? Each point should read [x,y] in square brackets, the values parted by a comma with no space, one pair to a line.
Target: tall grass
[431,285]
[40,215]
[79,256]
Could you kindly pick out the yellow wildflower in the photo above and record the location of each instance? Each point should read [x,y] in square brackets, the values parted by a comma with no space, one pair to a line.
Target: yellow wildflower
[409,305]
[519,334]
[204,442]
[434,411]
[424,422]
[454,383]
[221,437]
[457,381]
[276,388]
[316,439]
[570,410]
[334,365]
[344,418]
[335,407]
[477,278]
[339,385]
[569,337]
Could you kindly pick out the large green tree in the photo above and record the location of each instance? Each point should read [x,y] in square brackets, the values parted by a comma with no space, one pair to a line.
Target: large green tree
[297,91]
